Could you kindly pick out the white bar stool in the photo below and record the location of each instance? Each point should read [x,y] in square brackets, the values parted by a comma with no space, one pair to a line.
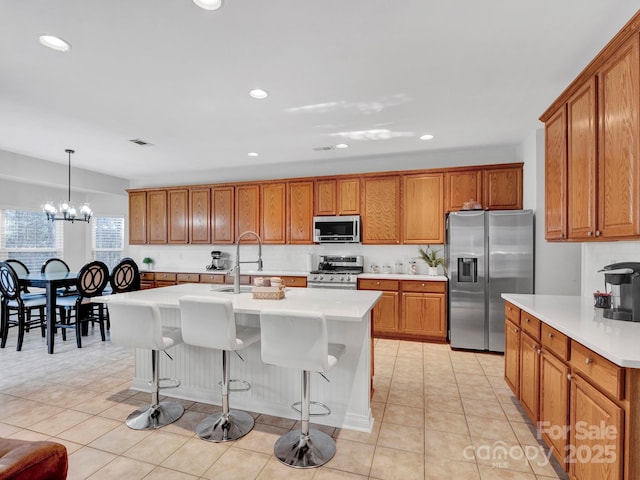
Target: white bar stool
[299,340]
[138,324]
[209,322]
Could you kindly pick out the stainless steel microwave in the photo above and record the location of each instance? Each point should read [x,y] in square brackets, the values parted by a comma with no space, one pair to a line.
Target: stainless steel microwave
[338,229]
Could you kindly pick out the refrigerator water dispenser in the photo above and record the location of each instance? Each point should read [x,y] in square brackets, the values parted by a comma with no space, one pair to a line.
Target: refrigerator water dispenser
[467,270]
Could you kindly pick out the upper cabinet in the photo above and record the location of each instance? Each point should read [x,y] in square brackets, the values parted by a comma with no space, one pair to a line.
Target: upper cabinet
[137,218]
[503,188]
[595,124]
[274,212]
[200,215]
[300,215]
[461,187]
[247,211]
[348,196]
[326,197]
[380,204]
[157,216]
[337,196]
[178,231]
[223,208]
[422,207]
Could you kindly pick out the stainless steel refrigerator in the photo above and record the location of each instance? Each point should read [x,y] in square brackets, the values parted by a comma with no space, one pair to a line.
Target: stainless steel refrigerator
[488,253]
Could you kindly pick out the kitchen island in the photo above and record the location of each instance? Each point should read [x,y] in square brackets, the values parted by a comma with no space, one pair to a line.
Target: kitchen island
[273,389]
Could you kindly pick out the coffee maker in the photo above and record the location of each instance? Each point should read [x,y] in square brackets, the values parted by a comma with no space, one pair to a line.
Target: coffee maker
[624,281]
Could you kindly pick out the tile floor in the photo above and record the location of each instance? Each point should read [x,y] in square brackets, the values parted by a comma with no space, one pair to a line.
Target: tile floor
[439,414]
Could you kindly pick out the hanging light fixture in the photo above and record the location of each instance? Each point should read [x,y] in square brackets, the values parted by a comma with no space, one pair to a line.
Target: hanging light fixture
[67,210]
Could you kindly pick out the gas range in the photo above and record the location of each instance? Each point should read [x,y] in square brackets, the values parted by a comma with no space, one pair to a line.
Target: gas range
[336,271]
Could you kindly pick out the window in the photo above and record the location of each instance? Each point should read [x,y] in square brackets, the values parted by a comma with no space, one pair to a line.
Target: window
[29,237]
[108,239]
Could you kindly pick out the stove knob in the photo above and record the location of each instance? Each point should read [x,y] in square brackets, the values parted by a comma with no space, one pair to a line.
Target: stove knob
[321,277]
[342,278]
[331,278]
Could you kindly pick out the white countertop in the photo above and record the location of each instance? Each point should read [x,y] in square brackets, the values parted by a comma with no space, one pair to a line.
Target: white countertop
[335,304]
[404,276]
[577,318]
[202,270]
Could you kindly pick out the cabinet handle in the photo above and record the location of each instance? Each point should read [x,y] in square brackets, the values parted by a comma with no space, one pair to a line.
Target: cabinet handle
[587,361]
[597,233]
[589,233]
[423,284]
[377,283]
[539,350]
[550,335]
[527,320]
[569,377]
[515,330]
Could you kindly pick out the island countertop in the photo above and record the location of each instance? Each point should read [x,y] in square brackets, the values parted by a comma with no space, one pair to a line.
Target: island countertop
[577,318]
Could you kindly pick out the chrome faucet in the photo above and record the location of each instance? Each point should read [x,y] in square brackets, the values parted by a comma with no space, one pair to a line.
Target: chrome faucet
[236,268]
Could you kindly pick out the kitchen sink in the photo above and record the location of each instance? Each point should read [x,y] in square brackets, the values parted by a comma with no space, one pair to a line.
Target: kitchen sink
[229,289]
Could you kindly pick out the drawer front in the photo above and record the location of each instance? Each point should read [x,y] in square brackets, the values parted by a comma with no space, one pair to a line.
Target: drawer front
[530,324]
[189,277]
[166,277]
[426,287]
[211,278]
[294,281]
[512,312]
[244,279]
[598,370]
[554,341]
[370,284]
[147,276]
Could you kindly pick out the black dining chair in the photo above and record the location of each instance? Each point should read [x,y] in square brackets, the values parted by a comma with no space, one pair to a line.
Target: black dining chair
[21,308]
[125,276]
[77,311]
[57,265]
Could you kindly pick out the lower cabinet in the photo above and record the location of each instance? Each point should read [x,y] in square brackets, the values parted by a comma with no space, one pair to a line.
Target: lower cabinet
[415,310]
[165,279]
[530,375]
[512,356]
[554,404]
[147,280]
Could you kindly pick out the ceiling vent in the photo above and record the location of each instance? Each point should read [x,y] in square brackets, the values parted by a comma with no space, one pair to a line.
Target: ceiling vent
[142,143]
[323,149]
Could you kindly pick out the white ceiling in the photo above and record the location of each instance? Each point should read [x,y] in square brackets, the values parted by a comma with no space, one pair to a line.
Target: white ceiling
[472,73]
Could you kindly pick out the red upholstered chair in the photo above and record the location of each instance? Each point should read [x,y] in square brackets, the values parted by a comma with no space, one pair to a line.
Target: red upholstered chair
[24,460]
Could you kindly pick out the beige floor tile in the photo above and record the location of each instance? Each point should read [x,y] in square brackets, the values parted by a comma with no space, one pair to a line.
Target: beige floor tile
[410,349]
[261,439]
[86,461]
[392,464]
[275,470]
[186,424]
[446,422]
[364,437]
[415,384]
[316,426]
[121,410]
[449,389]
[472,379]
[158,447]
[449,445]
[467,368]
[161,473]
[122,467]
[7,430]
[383,369]
[482,408]
[436,468]
[505,455]
[326,473]
[409,371]
[380,393]
[377,410]
[401,437]
[490,473]
[196,456]
[481,427]
[120,439]
[401,415]
[481,392]
[97,404]
[70,446]
[24,413]
[514,412]
[526,433]
[30,436]
[443,403]
[60,422]
[87,431]
[286,423]
[353,457]
[237,464]
[408,398]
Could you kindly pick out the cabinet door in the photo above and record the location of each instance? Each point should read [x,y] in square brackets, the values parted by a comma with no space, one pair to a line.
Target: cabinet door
[325,197]
[273,215]
[300,221]
[200,215]
[618,165]
[581,161]
[381,219]
[157,216]
[512,357]
[178,216]
[555,176]
[248,211]
[597,431]
[385,314]
[348,196]
[530,376]
[503,188]
[554,404]
[460,187]
[137,218]
[223,214]
[423,314]
[423,208]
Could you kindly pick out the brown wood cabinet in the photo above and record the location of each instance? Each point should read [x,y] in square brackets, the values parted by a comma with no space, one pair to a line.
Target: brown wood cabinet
[555,176]
[273,214]
[247,211]
[460,187]
[337,196]
[424,315]
[503,188]
[530,375]
[300,217]
[178,209]
[512,356]
[385,313]
[157,216]
[423,210]
[381,204]
[147,280]
[223,208]
[165,279]
[348,196]
[200,215]
[137,218]
[326,197]
[554,403]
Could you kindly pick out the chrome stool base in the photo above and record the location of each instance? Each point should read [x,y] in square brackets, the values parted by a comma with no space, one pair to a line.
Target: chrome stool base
[221,428]
[305,451]
[155,416]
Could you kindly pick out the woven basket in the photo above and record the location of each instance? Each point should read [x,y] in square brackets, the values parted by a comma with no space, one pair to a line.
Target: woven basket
[268,293]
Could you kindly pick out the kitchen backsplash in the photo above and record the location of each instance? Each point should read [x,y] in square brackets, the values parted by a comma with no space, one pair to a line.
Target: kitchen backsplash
[279,257]
[596,255]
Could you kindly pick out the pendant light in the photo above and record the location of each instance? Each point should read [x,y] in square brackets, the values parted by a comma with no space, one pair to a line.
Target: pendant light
[67,210]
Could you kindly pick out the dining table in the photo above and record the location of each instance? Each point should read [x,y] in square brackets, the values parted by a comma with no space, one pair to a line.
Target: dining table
[51,281]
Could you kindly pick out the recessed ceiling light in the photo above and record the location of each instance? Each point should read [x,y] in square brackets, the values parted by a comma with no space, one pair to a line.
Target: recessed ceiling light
[258,93]
[55,43]
[252,154]
[428,136]
[342,145]
[208,4]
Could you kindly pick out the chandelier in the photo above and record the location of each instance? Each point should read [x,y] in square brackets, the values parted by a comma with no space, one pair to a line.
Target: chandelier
[66,209]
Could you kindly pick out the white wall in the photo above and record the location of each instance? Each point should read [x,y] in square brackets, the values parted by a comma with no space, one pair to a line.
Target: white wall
[596,255]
